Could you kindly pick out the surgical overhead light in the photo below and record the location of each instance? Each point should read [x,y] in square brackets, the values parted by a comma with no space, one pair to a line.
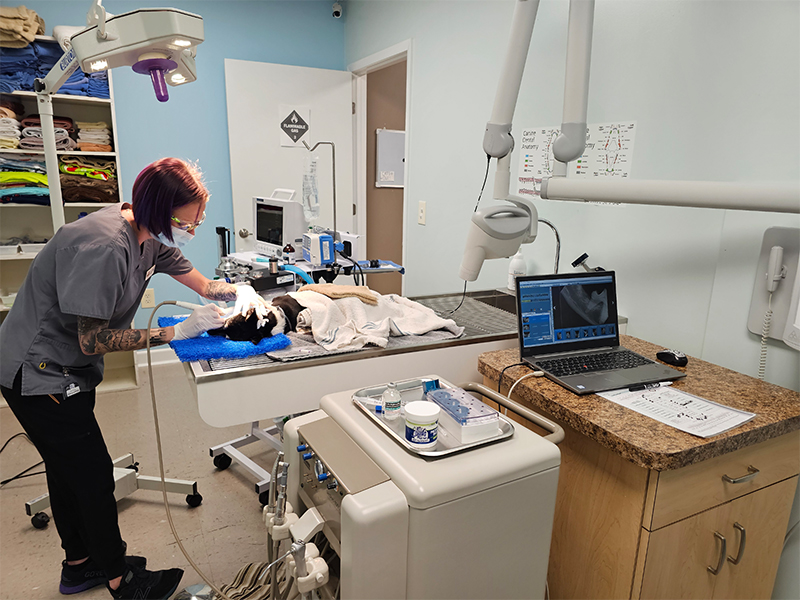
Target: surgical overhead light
[159,42]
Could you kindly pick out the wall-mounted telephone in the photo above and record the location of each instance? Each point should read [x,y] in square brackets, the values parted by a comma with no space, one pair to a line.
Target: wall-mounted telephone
[791,333]
[774,308]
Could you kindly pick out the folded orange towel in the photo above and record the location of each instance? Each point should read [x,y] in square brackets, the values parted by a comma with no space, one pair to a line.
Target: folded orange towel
[333,290]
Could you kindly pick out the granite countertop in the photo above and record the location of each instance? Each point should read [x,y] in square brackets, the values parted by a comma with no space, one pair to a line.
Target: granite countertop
[644,441]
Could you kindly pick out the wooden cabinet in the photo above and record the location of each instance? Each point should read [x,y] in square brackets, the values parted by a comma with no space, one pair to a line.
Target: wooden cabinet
[741,540]
[624,531]
[39,222]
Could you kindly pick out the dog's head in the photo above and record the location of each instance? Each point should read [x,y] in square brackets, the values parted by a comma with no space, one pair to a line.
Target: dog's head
[281,318]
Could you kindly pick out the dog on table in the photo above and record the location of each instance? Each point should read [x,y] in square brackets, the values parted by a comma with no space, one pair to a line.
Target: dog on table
[281,318]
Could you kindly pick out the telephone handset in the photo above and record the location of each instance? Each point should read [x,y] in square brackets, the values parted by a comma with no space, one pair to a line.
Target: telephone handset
[774,310]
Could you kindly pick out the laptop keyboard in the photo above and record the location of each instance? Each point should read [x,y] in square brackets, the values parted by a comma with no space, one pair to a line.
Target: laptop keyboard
[605,361]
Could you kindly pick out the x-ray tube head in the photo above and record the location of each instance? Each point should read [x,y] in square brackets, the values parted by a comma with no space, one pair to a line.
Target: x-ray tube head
[495,232]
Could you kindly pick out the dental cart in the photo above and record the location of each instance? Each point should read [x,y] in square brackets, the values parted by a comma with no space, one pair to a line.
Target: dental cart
[455,522]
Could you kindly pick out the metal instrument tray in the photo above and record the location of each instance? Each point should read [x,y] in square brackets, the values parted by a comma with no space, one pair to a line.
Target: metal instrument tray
[410,390]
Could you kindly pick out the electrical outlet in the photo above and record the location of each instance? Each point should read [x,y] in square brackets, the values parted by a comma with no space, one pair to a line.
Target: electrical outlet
[422,213]
[149,298]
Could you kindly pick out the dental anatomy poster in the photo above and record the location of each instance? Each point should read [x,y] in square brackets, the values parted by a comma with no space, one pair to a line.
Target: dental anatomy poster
[609,153]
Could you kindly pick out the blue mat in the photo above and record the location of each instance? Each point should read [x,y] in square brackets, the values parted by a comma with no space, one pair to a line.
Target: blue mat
[206,347]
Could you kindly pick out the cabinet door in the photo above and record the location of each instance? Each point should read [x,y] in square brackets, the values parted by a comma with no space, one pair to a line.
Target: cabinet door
[762,518]
[678,557]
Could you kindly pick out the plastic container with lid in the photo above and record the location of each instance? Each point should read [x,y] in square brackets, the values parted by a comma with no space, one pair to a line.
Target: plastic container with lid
[422,423]
[464,416]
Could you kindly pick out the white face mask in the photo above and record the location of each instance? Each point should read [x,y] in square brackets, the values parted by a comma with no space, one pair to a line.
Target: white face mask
[179,238]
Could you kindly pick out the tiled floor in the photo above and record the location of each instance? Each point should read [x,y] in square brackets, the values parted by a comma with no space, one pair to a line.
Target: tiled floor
[221,535]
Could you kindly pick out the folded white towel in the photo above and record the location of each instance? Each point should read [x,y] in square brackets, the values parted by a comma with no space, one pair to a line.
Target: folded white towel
[9,132]
[349,323]
[8,122]
[37,132]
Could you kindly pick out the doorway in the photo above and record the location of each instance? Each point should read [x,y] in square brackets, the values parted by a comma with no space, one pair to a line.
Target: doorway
[386,109]
[382,102]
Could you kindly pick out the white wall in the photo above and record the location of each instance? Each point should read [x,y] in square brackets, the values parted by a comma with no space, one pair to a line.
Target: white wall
[714,87]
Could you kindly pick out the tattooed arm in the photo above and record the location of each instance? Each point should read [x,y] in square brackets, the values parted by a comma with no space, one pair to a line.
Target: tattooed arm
[95,337]
[211,289]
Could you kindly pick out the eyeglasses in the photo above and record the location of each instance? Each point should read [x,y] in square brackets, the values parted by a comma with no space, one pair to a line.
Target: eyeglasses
[184,226]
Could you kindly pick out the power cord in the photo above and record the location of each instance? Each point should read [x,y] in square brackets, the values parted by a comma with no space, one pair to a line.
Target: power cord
[483,185]
[22,474]
[534,374]
[463,297]
[358,272]
[480,195]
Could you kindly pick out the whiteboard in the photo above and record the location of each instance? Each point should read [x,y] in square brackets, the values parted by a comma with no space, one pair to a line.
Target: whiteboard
[390,158]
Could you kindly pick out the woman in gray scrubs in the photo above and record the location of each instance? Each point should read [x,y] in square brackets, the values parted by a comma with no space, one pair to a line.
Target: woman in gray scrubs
[76,305]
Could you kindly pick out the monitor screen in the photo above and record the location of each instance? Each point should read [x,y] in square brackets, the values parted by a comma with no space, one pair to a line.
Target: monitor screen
[269,224]
[567,312]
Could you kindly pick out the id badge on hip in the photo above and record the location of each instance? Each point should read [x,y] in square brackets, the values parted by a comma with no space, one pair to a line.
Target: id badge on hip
[70,390]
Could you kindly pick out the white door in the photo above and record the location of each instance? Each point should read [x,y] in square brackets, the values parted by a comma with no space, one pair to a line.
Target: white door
[260,159]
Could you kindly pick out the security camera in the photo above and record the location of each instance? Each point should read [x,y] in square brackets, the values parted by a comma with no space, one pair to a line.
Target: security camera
[337,10]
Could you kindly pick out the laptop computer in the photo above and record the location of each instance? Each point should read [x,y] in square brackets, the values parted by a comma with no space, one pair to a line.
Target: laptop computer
[568,329]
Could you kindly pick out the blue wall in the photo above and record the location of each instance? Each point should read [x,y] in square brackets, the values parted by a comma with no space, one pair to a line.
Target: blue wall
[193,124]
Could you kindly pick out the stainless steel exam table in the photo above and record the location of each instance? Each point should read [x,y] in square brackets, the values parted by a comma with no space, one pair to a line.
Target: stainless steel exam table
[246,391]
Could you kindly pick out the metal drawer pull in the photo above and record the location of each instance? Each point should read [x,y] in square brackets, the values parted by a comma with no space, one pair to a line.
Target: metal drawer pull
[742,540]
[751,473]
[722,552]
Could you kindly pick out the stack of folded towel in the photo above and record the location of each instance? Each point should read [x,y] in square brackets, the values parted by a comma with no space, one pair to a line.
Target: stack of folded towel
[21,66]
[88,179]
[10,132]
[22,163]
[17,69]
[98,85]
[23,180]
[94,137]
[32,133]
[23,187]
[19,26]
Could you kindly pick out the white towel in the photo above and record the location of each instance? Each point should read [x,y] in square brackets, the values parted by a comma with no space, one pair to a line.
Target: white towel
[348,323]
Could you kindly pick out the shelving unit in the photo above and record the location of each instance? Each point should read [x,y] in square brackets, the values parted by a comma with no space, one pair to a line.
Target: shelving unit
[38,222]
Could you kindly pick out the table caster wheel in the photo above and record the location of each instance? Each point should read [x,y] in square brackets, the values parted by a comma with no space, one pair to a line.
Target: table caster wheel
[222,461]
[40,520]
[263,497]
[194,500]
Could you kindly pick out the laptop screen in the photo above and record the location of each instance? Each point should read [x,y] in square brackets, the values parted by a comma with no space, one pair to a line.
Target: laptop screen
[561,313]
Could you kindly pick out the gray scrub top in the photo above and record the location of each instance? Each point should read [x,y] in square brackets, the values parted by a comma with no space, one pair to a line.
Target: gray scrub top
[93,267]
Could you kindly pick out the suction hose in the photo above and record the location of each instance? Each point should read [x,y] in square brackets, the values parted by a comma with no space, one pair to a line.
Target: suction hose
[190,306]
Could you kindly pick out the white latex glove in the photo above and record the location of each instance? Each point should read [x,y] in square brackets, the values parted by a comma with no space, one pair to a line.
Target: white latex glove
[200,321]
[247,298]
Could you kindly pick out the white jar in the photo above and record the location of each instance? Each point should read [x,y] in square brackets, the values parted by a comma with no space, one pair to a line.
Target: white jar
[516,267]
[422,423]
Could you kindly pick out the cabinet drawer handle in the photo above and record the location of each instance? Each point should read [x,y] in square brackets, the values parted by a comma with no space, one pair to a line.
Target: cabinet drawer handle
[742,540]
[722,552]
[751,473]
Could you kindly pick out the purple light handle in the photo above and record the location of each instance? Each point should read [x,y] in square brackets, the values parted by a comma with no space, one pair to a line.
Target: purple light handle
[159,84]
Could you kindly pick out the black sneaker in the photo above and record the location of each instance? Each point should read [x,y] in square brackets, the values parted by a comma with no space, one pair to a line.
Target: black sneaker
[78,578]
[141,584]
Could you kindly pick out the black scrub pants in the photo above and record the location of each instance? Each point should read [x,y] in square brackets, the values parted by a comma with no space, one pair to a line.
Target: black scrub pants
[80,473]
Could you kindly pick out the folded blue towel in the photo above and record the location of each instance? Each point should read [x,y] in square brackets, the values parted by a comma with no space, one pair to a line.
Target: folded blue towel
[207,346]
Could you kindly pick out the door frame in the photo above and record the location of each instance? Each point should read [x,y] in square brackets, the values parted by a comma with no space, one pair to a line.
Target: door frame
[360,69]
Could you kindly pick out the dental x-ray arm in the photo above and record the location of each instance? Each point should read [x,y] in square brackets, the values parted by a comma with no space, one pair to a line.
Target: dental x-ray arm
[154,41]
[484,241]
